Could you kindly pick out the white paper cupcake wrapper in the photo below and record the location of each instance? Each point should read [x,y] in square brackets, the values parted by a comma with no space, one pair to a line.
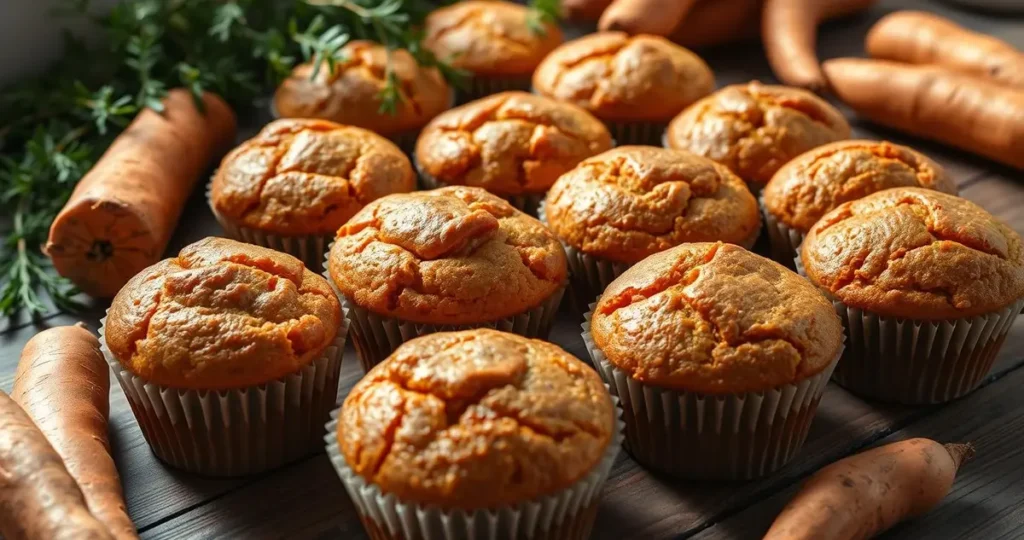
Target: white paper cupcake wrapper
[527,203]
[566,515]
[375,337]
[482,86]
[235,432]
[785,241]
[696,436]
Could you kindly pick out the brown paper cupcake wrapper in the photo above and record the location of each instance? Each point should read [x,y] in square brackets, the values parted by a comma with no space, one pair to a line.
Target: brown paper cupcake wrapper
[235,432]
[566,515]
[481,86]
[696,436]
[784,241]
[629,133]
[527,203]
[375,337]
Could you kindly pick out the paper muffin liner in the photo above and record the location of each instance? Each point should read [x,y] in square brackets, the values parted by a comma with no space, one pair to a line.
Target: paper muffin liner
[696,436]
[309,248]
[918,362]
[630,133]
[566,515]
[481,86]
[235,432]
[784,241]
[527,203]
[375,337]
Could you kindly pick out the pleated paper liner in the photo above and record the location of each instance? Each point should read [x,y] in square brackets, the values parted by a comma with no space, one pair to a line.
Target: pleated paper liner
[695,436]
[527,203]
[235,432]
[481,86]
[784,241]
[375,337]
[636,132]
[566,515]
[917,362]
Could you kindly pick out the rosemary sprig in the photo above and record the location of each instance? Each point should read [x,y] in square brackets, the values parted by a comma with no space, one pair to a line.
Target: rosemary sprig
[542,13]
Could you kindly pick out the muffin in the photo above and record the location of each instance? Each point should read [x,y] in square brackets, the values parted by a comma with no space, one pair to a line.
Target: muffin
[449,259]
[719,356]
[754,129]
[927,285]
[294,184]
[513,144]
[351,93]
[635,84]
[477,433]
[498,43]
[814,183]
[229,355]
[619,207]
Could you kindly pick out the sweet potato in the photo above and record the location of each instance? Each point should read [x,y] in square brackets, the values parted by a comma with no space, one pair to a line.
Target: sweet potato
[658,17]
[63,384]
[38,498]
[916,37]
[865,494]
[122,213]
[584,10]
[790,30]
[715,22]
[934,103]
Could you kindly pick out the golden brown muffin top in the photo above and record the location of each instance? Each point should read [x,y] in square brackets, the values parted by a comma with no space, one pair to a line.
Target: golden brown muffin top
[476,419]
[754,129]
[916,253]
[715,319]
[622,77]
[301,177]
[630,202]
[351,94]
[454,255]
[489,38]
[509,143]
[220,315]
[815,182]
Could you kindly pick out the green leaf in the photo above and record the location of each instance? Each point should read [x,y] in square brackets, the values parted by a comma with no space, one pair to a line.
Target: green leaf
[543,13]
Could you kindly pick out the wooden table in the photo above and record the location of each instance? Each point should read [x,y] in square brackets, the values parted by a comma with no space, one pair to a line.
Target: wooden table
[306,499]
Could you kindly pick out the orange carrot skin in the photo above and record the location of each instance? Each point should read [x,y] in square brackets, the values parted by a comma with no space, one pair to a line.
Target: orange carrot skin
[122,213]
[934,103]
[38,498]
[865,494]
[63,384]
[916,37]
[658,17]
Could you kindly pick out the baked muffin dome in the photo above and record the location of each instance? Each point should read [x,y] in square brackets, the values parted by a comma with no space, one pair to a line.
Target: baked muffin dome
[307,177]
[627,78]
[489,38]
[916,253]
[754,129]
[351,93]
[509,143]
[454,255]
[805,189]
[221,315]
[633,201]
[476,419]
[715,318]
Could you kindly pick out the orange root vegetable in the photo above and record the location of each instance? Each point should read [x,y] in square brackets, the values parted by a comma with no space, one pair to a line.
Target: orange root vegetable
[865,494]
[122,213]
[584,10]
[63,385]
[38,498]
[916,37]
[790,31]
[658,17]
[934,103]
[716,22]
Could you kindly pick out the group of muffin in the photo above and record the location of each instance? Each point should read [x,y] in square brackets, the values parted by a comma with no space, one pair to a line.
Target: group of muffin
[468,424]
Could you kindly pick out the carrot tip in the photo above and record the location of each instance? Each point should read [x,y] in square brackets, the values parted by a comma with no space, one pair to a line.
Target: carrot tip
[960,452]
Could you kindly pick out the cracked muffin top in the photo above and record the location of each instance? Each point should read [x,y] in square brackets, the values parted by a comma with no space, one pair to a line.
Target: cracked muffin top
[916,253]
[476,419]
[812,184]
[630,202]
[221,315]
[489,38]
[307,177]
[625,78]
[509,143]
[351,94]
[454,255]
[754,129]
[715,319]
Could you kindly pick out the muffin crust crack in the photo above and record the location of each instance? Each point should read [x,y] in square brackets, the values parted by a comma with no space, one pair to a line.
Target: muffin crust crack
[472,17]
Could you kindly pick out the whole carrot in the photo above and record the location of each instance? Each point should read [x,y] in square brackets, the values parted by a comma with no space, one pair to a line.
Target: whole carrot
[63,384]
[865,494]
[122,213]
[38,498]
[934,103]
